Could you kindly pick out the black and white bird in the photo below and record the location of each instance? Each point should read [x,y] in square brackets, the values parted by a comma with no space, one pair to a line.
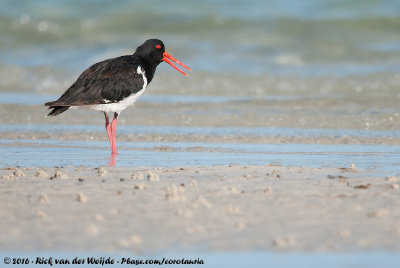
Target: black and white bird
[113,85]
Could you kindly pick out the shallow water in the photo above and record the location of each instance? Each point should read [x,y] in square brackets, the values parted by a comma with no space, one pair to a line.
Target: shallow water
[44,45]
[40,99]
[216,131]
[318,64]
[260,68]
[377,159]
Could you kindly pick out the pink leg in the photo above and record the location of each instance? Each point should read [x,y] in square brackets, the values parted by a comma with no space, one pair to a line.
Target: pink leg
[113,132]
[108,129]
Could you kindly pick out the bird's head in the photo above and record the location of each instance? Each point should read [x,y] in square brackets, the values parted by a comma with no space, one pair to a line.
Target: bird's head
[154,50]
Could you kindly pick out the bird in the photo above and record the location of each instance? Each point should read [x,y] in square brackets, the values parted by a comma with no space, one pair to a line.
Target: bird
[112,85]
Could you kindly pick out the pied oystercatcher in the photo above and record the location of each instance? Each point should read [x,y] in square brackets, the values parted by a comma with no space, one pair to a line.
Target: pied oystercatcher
[112,85]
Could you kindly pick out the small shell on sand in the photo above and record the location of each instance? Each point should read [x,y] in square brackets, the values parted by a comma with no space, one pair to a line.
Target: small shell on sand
[391,178]
[138,176]
[81,197]
[193,183]
[19,173]
[284,242]
[379,213]
[101,172]
[140,186]
[267,189]
[41,215]
[58,174]
[232,189]
[41,173]
[8,177]
[43,198]
[152,176]
[352,168]
[174,193]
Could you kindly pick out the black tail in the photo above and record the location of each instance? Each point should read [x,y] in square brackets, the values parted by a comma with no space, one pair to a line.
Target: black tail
[57,110]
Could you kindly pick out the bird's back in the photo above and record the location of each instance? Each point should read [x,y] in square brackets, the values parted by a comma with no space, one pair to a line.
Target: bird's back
[108,81]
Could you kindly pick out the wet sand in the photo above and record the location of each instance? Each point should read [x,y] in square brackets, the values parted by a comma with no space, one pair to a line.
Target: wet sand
[284,170]
[223,208]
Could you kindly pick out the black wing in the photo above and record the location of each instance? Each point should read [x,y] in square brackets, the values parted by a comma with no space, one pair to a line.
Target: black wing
[105,82]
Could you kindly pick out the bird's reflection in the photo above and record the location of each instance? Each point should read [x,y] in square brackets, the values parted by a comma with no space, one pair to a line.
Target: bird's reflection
[113,160]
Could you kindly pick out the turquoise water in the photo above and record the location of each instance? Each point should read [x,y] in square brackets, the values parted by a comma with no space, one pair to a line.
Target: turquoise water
[314,37]
[241,52]
[36,99]
[216,131]
[376,159]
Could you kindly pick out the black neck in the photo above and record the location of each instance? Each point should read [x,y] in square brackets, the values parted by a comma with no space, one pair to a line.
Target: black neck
[148,66]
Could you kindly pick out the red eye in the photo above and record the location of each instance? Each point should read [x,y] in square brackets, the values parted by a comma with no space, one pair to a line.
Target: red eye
[158,46]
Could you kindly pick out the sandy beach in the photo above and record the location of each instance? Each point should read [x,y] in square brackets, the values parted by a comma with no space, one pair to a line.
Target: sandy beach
[220,208]
[281,148]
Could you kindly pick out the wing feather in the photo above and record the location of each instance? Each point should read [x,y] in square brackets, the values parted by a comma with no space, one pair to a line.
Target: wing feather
[108,81]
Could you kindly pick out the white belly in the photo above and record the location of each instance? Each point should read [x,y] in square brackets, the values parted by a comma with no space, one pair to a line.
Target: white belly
[117,107]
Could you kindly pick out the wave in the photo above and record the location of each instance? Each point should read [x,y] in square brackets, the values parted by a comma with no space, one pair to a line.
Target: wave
[316,37]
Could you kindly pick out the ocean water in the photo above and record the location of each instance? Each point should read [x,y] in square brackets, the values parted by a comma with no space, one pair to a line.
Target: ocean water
[375,159]
[45,44]
[268,64]
[275,66]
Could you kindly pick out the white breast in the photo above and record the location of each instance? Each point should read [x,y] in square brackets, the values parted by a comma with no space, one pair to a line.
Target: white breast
[117,107]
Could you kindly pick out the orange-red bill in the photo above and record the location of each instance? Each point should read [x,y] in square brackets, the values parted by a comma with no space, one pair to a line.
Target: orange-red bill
[168,58]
